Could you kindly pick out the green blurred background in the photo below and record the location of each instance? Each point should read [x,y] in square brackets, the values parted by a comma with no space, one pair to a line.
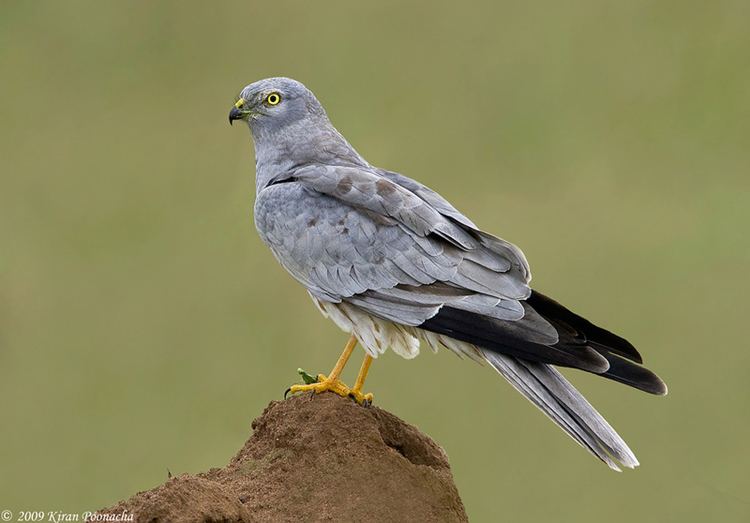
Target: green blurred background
[143,324]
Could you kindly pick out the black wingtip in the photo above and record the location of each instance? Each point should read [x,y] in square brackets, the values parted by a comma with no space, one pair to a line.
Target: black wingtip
[633,375]
[658,387]
[551,309]
[592,361]
[498,336]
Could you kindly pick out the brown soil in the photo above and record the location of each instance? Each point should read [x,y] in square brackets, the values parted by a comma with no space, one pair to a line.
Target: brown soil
[321,458]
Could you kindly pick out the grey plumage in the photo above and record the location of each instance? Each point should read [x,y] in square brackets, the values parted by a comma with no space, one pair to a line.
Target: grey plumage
[558,399]
[393,262]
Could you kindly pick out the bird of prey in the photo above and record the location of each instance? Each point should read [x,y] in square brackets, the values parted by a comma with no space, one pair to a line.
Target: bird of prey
[394,264]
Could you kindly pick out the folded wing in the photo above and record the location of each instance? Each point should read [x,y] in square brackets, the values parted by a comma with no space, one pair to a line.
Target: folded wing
[398,251]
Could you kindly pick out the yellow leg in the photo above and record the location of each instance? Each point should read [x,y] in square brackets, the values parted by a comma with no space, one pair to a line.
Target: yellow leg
[357,389]
[341,363]
[332,383]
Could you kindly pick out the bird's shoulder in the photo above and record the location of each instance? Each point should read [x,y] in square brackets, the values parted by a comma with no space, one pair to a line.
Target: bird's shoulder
[430,196]
[346,230]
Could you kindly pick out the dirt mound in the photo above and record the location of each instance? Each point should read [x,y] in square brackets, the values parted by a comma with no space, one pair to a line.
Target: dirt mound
[321,458]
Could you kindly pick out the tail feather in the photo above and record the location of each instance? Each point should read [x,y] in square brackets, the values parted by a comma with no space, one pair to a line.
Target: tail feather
[544,386]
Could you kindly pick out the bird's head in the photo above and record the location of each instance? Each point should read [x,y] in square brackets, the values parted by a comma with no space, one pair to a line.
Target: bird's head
[289,128]
[274,103]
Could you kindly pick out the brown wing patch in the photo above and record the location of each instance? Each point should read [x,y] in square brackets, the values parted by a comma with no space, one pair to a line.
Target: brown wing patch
[344,185]
[384,187]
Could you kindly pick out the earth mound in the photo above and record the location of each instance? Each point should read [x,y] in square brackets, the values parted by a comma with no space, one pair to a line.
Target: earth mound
[314,458]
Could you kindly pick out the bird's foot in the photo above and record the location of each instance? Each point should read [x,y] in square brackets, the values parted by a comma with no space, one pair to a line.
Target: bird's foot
[363,399]
[322,384]
[325,384]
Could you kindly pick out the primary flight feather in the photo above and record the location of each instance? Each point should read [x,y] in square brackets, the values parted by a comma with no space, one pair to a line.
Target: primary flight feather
[394,264]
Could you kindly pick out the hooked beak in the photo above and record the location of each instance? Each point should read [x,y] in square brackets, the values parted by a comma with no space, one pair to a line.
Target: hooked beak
[237,113]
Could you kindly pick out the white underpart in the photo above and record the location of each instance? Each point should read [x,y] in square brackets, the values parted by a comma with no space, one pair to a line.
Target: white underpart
[376,334]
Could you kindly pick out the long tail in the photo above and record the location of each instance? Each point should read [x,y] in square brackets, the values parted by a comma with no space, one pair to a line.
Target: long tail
[546,388]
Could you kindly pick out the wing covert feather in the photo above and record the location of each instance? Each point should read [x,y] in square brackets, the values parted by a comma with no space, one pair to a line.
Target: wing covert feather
[344,232]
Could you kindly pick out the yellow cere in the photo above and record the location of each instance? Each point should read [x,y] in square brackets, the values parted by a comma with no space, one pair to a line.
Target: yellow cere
[239,103]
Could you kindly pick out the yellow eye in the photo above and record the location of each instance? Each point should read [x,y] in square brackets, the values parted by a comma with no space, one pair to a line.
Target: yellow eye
[273,99]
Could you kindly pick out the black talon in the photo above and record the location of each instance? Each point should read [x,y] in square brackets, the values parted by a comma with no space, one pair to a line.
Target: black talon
[287,391]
